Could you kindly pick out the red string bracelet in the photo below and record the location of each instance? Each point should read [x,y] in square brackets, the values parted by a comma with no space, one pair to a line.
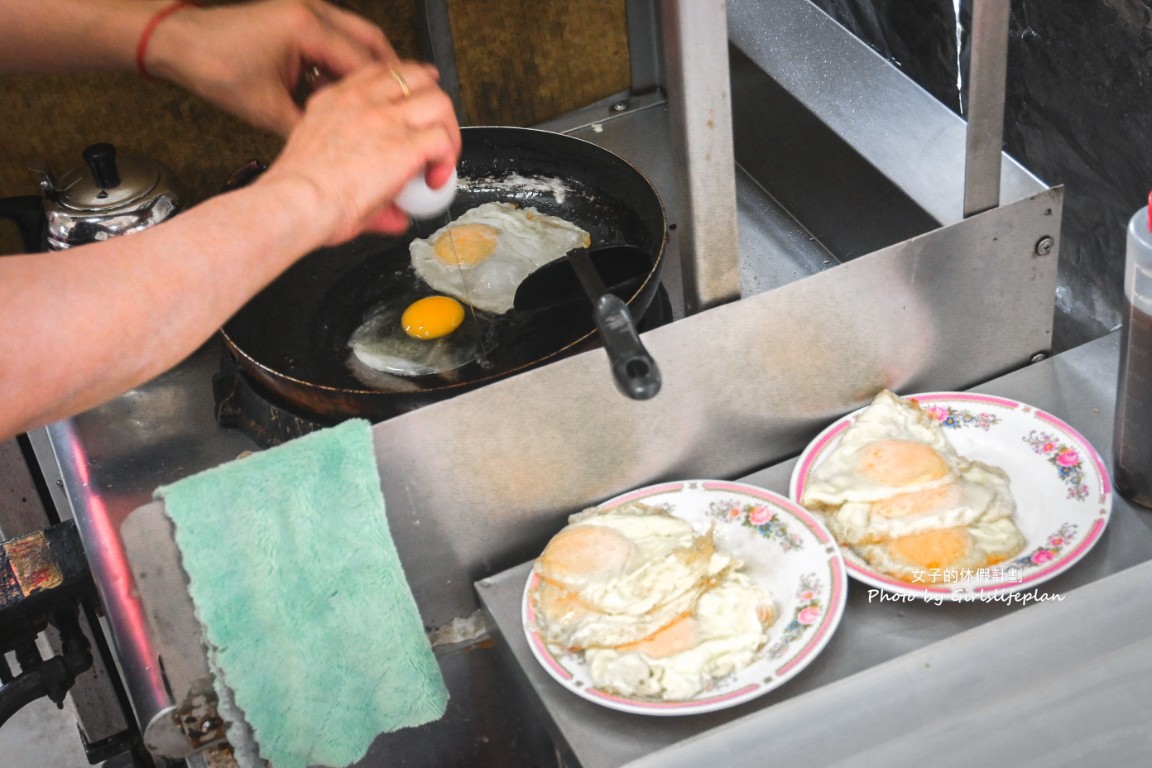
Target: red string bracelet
[149,28]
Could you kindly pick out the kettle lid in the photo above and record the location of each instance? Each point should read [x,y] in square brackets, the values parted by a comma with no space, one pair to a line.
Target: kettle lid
[107,182]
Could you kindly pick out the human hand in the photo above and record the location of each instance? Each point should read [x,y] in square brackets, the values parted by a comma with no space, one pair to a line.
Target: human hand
[361,140]
[248,58]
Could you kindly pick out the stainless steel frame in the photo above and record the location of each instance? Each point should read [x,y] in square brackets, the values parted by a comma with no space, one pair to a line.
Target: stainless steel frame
[700,106]
[745,384]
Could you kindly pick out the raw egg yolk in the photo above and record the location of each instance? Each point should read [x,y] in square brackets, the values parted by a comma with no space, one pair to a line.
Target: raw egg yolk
[466,244]
[899,463]
[432,317]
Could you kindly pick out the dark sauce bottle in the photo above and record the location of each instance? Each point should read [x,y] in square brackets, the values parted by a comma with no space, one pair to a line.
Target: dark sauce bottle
[1132,440]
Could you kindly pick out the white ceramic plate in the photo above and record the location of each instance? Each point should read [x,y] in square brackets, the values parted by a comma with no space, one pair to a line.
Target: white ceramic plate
[1062,490]
[783,547]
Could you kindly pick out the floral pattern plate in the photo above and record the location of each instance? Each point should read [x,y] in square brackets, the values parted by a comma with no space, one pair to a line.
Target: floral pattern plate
[1062,490]
[783,547]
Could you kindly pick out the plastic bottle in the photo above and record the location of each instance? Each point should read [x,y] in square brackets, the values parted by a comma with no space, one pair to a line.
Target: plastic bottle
[1132,441]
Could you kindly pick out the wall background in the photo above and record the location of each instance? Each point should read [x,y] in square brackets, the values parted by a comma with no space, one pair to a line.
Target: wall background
[1078,112]
[520,62]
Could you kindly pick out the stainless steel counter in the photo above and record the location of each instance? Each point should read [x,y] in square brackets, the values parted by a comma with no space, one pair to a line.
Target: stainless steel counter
[107,462]
[907,683]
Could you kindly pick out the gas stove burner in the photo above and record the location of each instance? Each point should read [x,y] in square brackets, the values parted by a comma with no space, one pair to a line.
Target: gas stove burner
[241,404]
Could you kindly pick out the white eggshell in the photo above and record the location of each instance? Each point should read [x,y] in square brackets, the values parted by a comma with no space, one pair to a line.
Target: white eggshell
[420,201]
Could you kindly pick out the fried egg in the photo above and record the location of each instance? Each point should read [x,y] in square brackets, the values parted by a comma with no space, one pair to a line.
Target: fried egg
[892,448]
[484,255]
[977,492]
[652,604]
[629,559]
[429,336]
[897,492]
[566,621]
[720,637]
[945,555]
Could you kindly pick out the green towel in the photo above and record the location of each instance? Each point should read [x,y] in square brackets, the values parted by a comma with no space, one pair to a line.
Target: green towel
[309,621]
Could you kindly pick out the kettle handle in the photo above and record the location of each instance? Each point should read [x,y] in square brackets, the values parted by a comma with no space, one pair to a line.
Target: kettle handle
[244,175]
[27,211]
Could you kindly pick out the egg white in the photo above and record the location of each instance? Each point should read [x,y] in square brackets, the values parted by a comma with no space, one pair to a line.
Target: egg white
[730,630]
[615,607]
[837,479]
[527,239]
[989,543]
[979,493]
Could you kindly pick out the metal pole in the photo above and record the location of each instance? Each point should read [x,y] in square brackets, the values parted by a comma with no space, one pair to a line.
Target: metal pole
[700,105]
[987,76]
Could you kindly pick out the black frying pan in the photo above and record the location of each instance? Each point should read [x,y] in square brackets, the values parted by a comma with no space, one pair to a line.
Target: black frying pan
[290,340]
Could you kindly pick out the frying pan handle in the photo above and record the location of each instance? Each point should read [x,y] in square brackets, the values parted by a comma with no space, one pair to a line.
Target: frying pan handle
[637,374]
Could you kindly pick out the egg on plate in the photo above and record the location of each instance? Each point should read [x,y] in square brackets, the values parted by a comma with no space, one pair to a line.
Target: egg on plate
[945,554]
[977,492]
[654,607]
[565,621]
[719,637]
[616,577]
[892,448]
[484,255]
[896,491]
[629,559]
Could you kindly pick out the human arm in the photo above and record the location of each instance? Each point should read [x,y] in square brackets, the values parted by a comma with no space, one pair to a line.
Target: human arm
[81,326]
[246,57]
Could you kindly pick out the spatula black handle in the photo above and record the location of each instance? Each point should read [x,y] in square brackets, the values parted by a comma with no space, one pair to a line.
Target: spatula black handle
[586,272]
[636,372]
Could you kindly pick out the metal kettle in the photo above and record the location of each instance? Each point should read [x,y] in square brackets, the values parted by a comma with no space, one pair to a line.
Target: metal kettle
[107,197]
